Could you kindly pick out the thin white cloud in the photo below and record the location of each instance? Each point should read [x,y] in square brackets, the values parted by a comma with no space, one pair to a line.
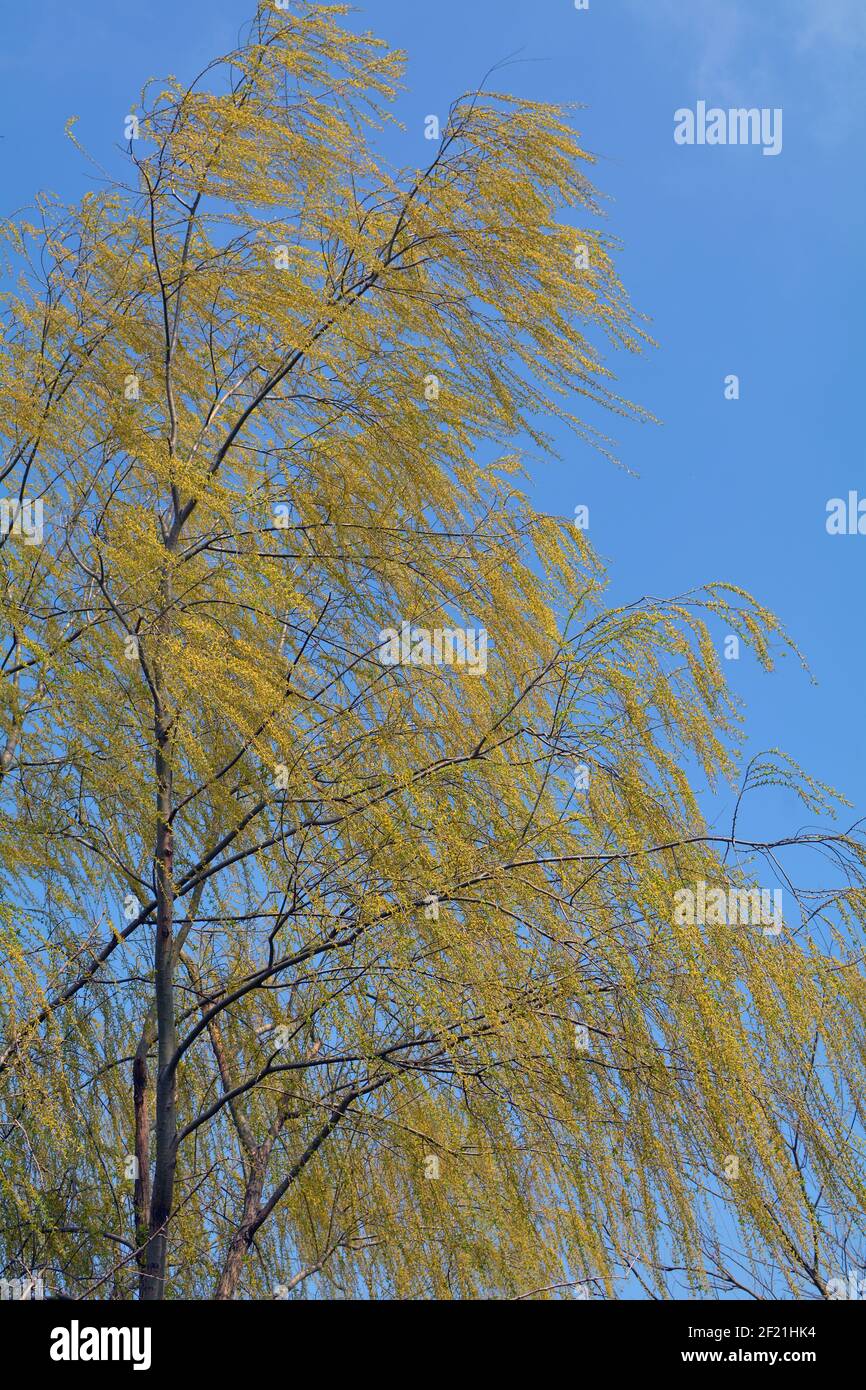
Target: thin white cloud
[746,52]
[837,23]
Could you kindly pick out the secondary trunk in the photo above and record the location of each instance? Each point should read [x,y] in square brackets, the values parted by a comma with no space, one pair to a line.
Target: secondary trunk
[239,1244]
[153,1277]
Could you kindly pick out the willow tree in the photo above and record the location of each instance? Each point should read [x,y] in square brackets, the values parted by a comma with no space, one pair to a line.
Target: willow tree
[341,968]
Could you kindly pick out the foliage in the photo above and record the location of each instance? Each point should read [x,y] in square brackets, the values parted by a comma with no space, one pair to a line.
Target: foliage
[314,938]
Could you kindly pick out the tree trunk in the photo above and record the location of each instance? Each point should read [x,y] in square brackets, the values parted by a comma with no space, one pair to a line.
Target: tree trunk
[153,1278]
[240,1242]
[141,1194]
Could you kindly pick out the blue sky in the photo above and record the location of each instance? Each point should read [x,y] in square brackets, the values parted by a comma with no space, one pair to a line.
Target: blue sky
[745,264]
